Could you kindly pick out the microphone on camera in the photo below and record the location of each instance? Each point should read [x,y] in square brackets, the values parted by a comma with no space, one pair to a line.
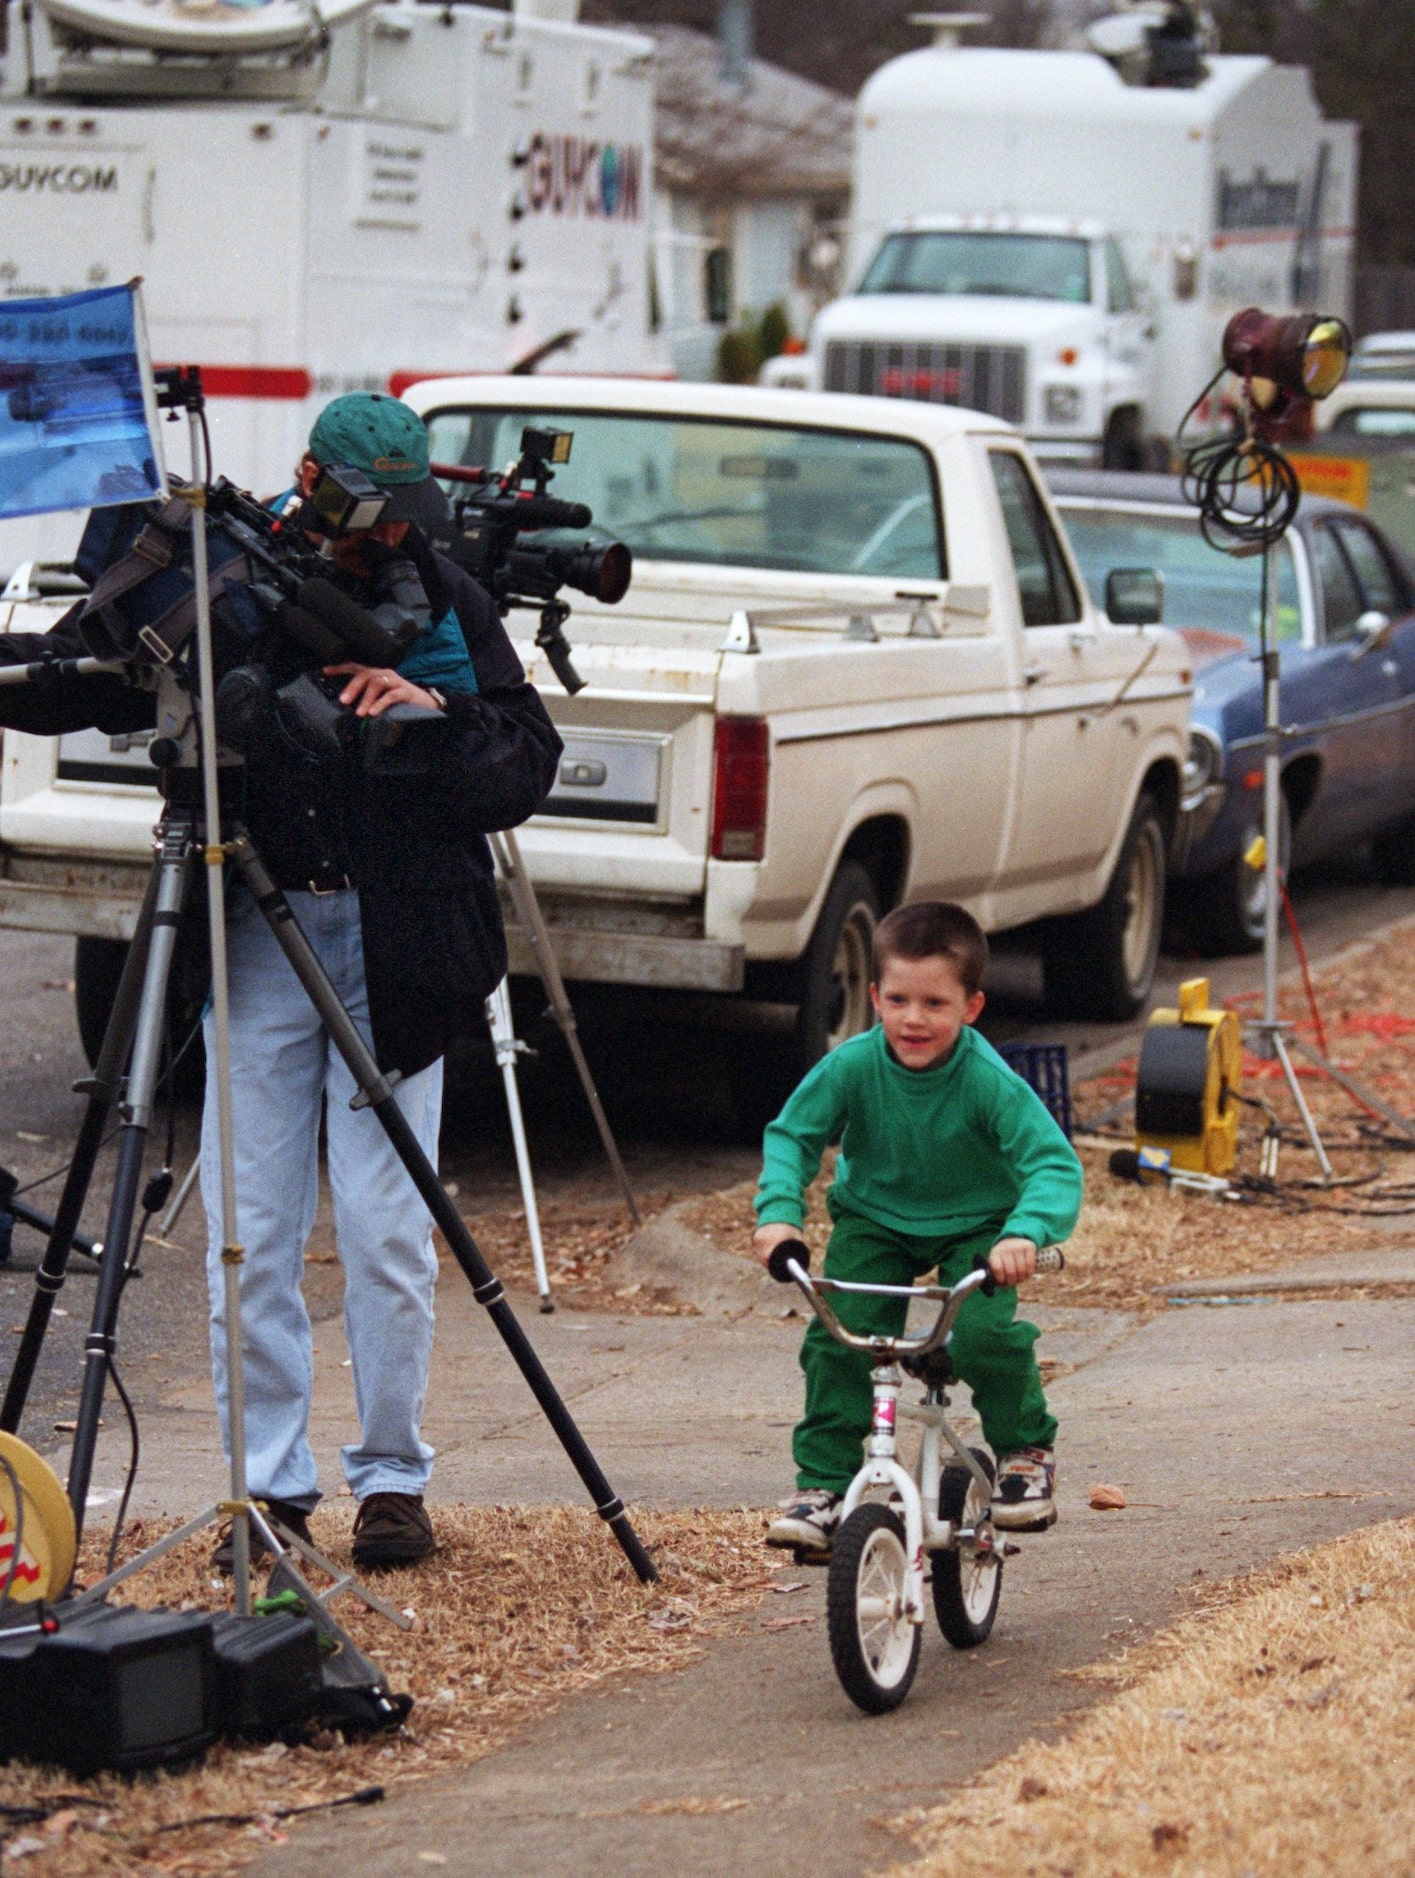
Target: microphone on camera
[361,637]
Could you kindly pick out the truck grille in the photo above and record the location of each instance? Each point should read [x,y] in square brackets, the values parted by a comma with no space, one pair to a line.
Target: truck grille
[981,378]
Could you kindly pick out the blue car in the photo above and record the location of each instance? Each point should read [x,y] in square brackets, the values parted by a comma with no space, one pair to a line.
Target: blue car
[1346,632]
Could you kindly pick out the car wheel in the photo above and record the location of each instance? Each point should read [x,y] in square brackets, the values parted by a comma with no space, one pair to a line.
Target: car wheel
[1226,908]
[1393,853]
[833,999]
[1100,964]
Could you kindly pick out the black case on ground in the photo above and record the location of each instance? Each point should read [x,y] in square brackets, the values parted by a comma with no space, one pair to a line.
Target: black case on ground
[268,1672]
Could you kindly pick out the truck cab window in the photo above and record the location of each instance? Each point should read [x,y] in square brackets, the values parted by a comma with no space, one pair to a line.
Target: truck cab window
[1119,294]
[1044,583]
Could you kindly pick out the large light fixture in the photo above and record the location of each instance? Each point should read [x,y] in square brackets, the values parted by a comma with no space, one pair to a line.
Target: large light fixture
[1302,354]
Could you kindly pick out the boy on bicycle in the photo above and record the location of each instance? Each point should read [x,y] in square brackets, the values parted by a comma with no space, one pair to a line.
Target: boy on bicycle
[945,1154]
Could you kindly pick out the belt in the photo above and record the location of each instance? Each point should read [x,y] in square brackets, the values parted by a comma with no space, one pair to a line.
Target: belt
[330,880]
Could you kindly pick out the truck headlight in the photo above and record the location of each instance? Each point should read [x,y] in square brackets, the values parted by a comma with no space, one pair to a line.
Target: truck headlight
[1202,765]
[1063,404]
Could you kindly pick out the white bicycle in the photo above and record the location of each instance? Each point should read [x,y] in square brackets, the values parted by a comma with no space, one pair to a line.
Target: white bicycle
[875,1593]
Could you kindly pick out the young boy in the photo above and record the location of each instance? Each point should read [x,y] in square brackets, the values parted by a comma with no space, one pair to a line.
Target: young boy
[944,1154]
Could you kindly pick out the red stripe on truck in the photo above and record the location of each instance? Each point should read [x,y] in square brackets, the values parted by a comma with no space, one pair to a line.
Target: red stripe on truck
[291,382]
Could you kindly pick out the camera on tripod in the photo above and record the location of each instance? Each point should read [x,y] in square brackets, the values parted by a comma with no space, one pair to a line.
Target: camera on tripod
[497,510]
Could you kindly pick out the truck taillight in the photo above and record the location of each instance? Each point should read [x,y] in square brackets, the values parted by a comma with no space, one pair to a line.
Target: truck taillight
[741,769]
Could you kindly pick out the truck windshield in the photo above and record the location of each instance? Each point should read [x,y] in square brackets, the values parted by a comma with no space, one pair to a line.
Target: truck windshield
[1019,267]
[1205,592]
[735,495]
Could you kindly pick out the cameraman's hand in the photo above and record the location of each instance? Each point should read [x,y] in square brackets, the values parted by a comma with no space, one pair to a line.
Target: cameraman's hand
[371,689]
[765,1238]
[1012,1260]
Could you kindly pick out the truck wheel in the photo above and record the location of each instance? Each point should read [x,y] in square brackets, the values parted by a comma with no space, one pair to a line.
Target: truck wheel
[98,965]
[836,968]
[1226,907]
[1123,447]
[833,1000]
[1100,964]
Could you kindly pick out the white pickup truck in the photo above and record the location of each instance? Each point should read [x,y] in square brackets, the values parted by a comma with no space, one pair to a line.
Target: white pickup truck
[857,665]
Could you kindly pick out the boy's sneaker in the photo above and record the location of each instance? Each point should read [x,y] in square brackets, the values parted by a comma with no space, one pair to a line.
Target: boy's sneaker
[808,1520]
[1022,1496]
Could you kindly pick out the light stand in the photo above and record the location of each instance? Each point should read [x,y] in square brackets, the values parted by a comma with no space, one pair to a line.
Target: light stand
[1269,1032]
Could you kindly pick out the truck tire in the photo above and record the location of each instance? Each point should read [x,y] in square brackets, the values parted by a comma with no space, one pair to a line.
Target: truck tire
[1100,964]
[98,965]
[1122,447]
[833,1000]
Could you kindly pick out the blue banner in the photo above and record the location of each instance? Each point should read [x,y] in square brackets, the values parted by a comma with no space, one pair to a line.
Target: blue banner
[78,422]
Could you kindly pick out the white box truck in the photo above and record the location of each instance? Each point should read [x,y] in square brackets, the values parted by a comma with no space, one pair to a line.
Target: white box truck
[327,195]
[1051,238]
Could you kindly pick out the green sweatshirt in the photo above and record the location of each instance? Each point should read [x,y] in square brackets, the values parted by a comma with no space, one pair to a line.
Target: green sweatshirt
[962,1148]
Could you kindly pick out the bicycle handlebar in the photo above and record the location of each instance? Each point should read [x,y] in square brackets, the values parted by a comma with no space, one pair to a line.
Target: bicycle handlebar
[789,1263]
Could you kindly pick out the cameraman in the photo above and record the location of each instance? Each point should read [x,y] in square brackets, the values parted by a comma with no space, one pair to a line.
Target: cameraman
[390,876]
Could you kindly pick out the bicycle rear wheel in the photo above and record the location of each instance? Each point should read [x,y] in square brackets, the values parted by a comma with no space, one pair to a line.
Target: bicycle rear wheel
[967,1583]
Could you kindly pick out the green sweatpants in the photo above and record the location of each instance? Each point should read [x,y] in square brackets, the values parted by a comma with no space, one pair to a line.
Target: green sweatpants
[991,1350]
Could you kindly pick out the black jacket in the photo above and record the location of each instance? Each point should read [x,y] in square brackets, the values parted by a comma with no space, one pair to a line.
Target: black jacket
[433,942]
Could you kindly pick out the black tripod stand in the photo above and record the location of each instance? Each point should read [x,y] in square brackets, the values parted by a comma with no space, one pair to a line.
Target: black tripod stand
[137,1022]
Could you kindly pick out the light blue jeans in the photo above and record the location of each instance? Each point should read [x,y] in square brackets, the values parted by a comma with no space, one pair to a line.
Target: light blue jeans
[283,1068]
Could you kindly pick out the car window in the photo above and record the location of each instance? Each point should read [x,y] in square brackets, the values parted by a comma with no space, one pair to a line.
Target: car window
[1205,591]
[1120,296]
[1369,420]
[678,488]
[1341,598]
[1043,582]
[1382,591]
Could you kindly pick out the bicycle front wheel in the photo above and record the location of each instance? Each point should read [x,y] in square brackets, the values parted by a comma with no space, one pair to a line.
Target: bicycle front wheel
[874,1645]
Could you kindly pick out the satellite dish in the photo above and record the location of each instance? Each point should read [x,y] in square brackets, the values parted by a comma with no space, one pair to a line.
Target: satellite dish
[216,26]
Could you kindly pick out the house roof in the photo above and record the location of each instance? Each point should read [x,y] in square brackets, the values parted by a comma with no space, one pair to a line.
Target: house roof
[779,136]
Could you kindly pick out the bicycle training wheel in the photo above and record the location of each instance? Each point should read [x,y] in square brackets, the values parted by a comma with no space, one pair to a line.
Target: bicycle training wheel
[967,1583]
[874,1646]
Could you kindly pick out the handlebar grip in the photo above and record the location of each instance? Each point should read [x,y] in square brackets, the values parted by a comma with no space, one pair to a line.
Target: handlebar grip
[1051,1258]
[781,1254]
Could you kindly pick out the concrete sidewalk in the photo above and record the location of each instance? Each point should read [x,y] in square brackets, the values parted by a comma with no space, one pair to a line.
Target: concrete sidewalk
[1237,1433]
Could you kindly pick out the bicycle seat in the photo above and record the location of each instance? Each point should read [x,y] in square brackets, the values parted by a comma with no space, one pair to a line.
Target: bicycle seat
[934,1369]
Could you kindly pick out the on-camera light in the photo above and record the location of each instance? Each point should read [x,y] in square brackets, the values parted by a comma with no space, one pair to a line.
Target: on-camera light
[1303,354]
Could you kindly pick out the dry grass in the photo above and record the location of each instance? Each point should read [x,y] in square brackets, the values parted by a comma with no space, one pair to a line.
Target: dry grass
[519,1609]
[1132,1242]
[1273,1732]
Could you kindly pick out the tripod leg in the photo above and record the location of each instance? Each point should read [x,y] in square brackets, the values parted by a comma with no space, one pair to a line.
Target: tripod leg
[1280,1051]
[503,1037]
[376,1092]
[101,1088]
[523,898]
[169,893]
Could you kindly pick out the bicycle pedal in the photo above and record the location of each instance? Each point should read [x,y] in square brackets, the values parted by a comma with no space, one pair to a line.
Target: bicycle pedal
[814,1557]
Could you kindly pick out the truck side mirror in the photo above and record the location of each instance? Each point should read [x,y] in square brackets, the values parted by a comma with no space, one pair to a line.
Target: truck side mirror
[1372,630]
[1134,596]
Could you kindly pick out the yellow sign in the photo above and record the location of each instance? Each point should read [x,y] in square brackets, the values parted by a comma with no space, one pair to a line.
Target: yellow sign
[1343,478]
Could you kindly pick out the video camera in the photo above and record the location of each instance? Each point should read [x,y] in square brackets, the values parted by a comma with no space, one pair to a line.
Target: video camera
[498,510]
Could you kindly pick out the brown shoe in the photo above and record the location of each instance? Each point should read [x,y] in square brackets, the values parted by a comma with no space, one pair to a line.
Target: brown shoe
[295,1517]
[391,1529]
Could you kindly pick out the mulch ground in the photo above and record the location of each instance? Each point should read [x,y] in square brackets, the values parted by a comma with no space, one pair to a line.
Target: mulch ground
[1268,1735]
[519,1609]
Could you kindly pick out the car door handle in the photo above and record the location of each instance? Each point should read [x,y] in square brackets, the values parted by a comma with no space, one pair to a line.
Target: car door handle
[1033,674]
[1390,668]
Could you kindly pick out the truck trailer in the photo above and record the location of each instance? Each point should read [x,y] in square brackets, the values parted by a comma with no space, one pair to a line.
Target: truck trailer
[324,196]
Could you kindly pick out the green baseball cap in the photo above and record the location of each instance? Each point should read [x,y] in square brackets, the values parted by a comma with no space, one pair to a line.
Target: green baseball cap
[387,441]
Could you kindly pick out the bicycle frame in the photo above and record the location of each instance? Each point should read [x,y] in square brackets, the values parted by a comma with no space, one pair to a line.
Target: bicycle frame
[918,1493]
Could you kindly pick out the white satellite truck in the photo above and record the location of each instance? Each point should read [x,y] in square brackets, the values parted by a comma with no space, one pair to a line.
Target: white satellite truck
[325,196]
[1058,238]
